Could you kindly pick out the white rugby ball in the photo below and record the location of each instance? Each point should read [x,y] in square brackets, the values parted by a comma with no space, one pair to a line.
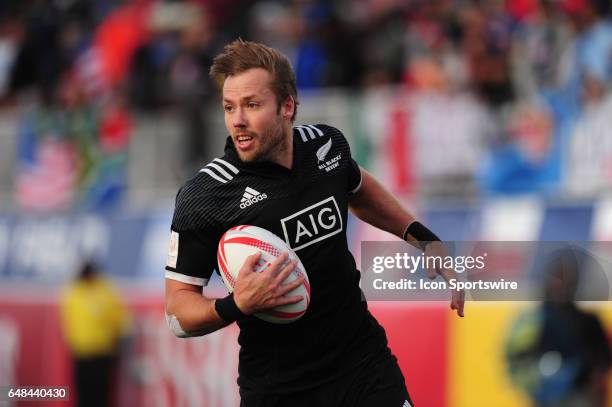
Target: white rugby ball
[240,242]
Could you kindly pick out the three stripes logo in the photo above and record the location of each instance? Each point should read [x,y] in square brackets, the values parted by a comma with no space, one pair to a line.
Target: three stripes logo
[309,132]
[250,197]
[220,170]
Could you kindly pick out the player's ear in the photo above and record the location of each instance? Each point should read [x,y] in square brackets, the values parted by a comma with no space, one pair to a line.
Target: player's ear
[288,107]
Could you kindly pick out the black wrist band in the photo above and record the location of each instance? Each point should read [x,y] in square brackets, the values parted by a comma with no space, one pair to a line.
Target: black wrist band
[420,233]
[228,310]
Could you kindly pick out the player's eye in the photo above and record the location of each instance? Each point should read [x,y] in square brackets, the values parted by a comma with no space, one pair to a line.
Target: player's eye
[228,108]
[252,105]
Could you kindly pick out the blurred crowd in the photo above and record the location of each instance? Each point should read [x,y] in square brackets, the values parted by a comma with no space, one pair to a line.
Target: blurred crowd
[500,49]
[80,69]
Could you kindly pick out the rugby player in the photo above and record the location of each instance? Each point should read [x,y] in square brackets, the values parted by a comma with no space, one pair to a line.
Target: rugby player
[298,182]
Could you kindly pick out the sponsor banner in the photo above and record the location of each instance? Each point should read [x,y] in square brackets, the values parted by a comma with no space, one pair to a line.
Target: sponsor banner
[156,368]
[488,271]
[602,219]
[50,249]
[512,219]
[135,245]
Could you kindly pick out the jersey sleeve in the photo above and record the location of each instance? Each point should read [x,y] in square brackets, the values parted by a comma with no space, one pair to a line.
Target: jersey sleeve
[354,172]
[355,177]
[191,257]
[194,239]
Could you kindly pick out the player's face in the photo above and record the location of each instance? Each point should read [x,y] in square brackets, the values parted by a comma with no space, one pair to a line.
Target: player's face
[252,116]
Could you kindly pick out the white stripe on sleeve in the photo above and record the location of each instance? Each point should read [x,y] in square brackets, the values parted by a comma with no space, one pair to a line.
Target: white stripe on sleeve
[173,275]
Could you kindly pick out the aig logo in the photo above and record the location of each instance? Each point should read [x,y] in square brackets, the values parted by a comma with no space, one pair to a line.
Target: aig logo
[313,224]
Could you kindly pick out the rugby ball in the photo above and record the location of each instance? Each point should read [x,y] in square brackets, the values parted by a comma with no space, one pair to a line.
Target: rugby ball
[240,242]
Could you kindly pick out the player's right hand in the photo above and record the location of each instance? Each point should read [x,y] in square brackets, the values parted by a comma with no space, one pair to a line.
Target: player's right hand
[262,291]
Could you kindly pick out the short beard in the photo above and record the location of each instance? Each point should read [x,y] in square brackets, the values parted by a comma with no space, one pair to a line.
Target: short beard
[273,144]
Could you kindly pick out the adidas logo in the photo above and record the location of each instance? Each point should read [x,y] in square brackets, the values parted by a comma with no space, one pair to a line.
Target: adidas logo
[406,404]
[250,196]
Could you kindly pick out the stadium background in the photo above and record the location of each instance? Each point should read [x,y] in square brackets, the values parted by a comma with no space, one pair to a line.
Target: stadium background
[491,121]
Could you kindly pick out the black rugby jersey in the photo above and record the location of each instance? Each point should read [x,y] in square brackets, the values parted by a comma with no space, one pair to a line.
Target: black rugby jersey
[307,206]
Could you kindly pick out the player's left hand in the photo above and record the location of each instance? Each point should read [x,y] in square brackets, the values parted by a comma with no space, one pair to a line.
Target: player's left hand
[457,296]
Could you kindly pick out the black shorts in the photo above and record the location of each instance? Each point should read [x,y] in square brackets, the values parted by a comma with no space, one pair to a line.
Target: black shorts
[376,383]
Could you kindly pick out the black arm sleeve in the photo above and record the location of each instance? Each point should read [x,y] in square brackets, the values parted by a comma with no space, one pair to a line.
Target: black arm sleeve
[354,179]
[192,257]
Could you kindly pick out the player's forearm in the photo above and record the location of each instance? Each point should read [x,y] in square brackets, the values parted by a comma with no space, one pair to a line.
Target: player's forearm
[378,207]
[195,313]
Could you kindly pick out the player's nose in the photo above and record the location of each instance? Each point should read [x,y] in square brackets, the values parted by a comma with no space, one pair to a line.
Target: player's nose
[238,118]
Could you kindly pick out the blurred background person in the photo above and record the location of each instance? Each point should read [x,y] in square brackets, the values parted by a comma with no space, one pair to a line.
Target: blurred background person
[94,322]
[560,354]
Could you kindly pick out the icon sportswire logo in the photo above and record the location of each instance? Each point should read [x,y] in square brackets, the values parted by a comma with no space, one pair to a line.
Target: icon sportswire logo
[250,197]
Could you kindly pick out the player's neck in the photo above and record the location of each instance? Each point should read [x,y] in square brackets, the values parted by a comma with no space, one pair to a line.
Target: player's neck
[284,155]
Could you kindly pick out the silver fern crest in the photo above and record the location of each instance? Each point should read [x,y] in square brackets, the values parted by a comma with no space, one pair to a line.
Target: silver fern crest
[323,150]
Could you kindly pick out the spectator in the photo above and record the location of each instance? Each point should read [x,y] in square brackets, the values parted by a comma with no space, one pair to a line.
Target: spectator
[588,63]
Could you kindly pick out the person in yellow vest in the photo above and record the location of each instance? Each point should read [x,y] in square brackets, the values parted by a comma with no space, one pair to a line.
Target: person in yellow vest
[94,321]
